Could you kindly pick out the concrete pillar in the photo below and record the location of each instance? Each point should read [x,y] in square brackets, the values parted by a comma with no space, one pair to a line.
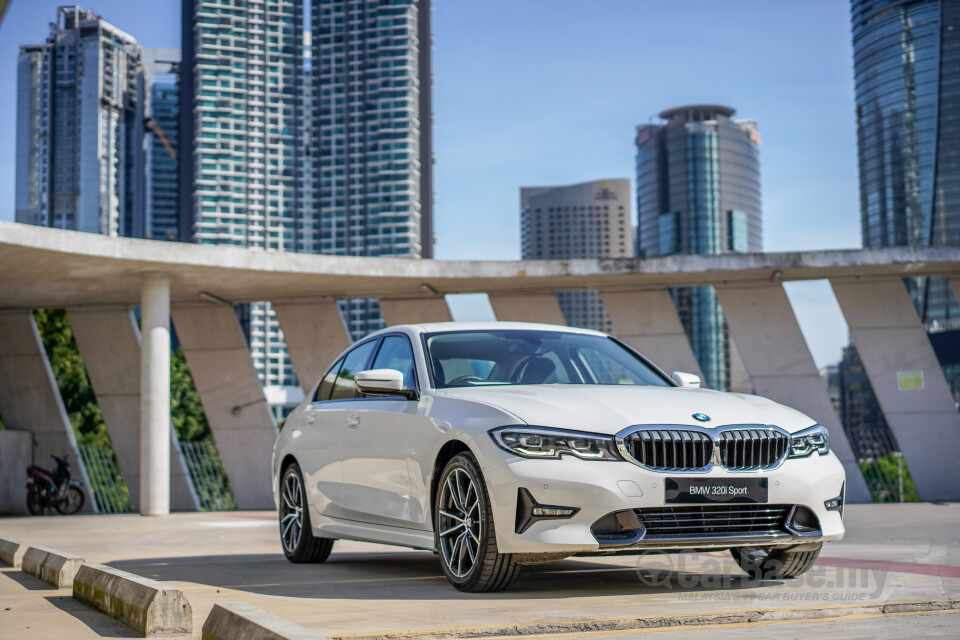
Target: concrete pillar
[30,399]
[315,335]
[109,341]
[415,310]
[155,395]
[530,307]
[648,322]
[907,379]
[775,354]
[232,398]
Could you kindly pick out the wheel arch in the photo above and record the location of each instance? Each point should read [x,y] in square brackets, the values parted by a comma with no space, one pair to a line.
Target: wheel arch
[450,449]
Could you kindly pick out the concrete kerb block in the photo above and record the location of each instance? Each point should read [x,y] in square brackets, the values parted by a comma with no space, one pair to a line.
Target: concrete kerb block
[242,621]
[11,552]
[54,567]
[151,608]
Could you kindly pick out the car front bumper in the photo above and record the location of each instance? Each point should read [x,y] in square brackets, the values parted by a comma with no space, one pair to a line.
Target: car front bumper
[598,489]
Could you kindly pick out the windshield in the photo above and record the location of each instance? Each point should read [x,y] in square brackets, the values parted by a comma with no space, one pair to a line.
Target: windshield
[511,357]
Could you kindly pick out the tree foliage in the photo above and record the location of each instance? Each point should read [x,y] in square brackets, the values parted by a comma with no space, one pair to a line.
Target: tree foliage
[186,412]
[71,376]
[189,421]
[882,479]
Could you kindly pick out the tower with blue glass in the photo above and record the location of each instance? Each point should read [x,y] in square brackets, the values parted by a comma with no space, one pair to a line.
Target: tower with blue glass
[698,192]
[906,59]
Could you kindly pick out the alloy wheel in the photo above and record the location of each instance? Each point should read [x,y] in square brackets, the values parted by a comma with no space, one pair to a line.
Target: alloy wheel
[460,519]
[291,511]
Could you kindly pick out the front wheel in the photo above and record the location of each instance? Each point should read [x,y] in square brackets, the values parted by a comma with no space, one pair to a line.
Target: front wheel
[773,563]
[466,537]
[296,535]
[72,502]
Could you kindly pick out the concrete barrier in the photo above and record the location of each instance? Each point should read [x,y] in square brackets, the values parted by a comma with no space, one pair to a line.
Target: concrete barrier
[242,621]
[149,607]
[53,567]
[11,552]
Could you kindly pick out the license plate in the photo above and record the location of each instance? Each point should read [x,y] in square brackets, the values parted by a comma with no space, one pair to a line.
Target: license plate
[716,490]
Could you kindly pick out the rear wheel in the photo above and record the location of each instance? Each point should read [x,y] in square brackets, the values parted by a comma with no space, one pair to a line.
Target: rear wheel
[774,563]
[466,536]
[34,502]
[73,501]
[296,535]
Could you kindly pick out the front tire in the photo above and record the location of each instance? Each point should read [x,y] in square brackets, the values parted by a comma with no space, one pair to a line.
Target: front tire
[466,536]
[773,563]
[296,535]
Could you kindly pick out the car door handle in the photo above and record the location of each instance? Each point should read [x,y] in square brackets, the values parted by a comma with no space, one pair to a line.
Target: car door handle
[353,421]
[311,418]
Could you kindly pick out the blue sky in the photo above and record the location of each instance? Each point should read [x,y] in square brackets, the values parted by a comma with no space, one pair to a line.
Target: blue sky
[531,92]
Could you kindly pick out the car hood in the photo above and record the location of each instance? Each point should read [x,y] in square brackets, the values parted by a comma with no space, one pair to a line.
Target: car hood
[608,409]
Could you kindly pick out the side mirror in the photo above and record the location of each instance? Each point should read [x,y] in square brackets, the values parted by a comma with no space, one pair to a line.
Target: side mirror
[382,381]
[688,380]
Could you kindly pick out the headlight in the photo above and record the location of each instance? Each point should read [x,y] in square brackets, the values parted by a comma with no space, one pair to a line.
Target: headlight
[804,443]
[541,442]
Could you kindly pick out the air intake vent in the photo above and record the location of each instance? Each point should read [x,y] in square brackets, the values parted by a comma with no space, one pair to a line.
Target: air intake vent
[713,521]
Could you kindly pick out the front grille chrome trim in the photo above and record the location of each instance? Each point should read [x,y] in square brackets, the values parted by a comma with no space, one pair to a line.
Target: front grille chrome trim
[694,449]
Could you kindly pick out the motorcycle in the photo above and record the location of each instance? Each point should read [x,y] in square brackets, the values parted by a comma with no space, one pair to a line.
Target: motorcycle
[57,490]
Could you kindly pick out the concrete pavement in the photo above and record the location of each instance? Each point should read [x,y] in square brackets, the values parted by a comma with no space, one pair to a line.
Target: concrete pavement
[893,553]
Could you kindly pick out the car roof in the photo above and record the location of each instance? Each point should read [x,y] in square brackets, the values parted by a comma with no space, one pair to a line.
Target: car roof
[437,327]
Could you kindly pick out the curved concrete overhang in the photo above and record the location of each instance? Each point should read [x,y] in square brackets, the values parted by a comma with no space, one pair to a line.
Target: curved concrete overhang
[42,267]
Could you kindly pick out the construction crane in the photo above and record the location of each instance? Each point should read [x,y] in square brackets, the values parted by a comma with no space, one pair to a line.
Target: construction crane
[154,127]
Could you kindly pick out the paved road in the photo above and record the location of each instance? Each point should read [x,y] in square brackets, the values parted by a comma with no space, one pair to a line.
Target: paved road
[893,553]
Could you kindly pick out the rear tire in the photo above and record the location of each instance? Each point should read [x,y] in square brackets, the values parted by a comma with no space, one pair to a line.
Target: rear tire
[465,533]
[35,504]
[296,535]
[73,502]
[774,563]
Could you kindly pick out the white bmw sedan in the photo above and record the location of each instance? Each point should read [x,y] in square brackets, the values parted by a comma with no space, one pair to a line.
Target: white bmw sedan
[503,444]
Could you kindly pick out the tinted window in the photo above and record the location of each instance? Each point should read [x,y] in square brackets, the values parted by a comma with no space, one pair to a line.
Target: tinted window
[326,385]
[356,360]
[512,357]
[395,353]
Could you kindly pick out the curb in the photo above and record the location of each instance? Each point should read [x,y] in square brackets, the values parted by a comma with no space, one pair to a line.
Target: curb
[242,621]
[718,618]
[11,552]
[56,568]
[149,607]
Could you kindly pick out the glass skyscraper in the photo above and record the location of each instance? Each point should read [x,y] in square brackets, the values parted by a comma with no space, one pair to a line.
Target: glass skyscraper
[163,143]
[698,192]
[305,126]
[80,110]
[370,139]
[907,76]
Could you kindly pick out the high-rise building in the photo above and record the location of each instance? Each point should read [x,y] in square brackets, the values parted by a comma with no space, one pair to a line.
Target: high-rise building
[163,142]
[311,138]
[698,192]
[371,134]
[243,151]
[907,76]
[585,220]
[80,112]
[907,79]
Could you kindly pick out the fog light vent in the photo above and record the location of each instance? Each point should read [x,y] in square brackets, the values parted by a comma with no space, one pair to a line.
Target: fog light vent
[530,511]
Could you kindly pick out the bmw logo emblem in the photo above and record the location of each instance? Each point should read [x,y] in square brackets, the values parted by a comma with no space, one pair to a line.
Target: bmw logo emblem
[702,417]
